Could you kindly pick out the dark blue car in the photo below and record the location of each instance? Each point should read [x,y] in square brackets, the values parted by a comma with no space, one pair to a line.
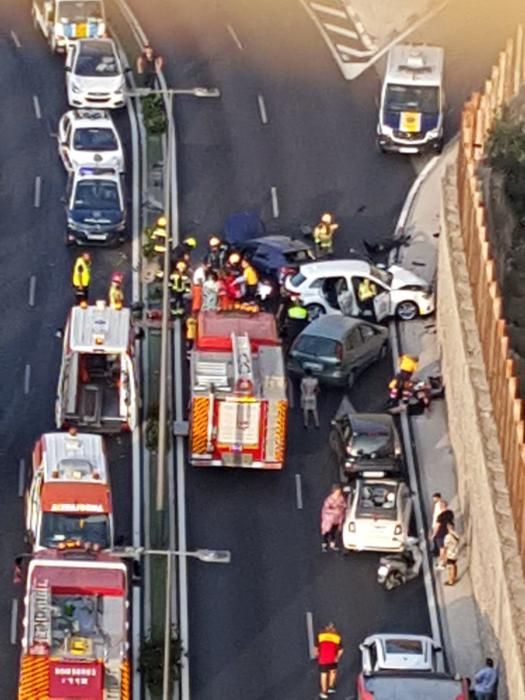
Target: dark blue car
[276,256]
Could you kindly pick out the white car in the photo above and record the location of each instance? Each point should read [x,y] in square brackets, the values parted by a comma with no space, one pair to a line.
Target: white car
[378,514]
[399,652]
[89,137]
[399,292]
[94,75]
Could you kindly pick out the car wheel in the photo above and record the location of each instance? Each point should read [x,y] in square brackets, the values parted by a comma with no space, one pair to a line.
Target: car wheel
[332,441]
[314,311]
[68,241]
[350,380]
[407,310]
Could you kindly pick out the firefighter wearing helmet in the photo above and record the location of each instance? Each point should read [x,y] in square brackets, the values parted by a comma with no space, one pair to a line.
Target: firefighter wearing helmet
[81,277]
[324,234]
[180,288]
[215,258]
[184,249]
[159,235]
[116,295]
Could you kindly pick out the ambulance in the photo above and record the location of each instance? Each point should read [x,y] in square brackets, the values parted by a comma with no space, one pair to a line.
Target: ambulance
[63,21]
[75,627]
[239,406]
[412,100]
[97,388]
[69,498]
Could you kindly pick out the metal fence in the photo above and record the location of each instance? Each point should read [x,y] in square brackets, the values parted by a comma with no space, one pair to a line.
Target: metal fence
[479,115]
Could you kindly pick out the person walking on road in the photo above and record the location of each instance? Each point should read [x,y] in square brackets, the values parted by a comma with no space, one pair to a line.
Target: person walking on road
[81,277]
[486,681]
[332,518]
[436,510]
[309,394]
[328,651]
[439,531]
[451,544]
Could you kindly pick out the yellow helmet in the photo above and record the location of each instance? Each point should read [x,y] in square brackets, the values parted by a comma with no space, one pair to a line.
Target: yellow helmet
[181,266]
[214,241]
[162,221]
[190,241]
[327,218]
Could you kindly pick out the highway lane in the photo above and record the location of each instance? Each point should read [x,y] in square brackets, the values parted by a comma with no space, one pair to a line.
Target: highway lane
[33,244]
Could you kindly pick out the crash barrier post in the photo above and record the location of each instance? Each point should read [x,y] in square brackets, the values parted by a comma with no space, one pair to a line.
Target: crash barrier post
[478,117]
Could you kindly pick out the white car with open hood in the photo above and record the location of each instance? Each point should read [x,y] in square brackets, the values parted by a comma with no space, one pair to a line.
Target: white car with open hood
[399,292]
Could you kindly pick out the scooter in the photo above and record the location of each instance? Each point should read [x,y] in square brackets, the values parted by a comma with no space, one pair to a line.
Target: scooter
[399,568]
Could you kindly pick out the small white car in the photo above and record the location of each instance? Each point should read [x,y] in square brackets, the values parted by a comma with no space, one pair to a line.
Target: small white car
[89,137]
[400,292]
[378,514]
[399,652]
[94,75]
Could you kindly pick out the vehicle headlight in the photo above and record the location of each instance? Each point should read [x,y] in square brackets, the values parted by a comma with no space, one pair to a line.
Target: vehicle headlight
[118,91]
[428,293]
[75,88]
[433,134]
[398,529]
[351,526]
[383,570]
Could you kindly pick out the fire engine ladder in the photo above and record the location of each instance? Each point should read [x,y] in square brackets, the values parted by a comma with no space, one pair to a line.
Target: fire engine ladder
[41,620]
[242,359]
[91,399]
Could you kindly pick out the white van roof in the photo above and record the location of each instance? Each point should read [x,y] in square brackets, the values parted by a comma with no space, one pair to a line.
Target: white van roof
[414,64]
[99,329]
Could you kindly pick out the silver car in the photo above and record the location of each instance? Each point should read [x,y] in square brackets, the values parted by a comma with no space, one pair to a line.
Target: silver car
[337,349]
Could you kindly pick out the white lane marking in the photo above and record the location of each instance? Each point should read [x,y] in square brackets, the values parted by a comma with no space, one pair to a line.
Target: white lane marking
[32,290]
[350,51]
[27,379]
[328,10]
[310,634]
[36,105]
[14,621]
[16,40]
[234,36]
[262,109]
[38,189]
[341,30]
[21,477]
[275,203]
[298,492]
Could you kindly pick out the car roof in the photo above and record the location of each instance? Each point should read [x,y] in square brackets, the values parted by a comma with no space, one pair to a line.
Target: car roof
[89,172]
[335,327]
[285,244]
[90,118]
[97,46]
[360,422]
[335,267]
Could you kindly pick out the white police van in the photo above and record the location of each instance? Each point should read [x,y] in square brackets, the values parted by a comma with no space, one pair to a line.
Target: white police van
[412,100]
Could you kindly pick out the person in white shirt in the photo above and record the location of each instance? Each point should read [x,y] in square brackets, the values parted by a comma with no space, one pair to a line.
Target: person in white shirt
[309,393]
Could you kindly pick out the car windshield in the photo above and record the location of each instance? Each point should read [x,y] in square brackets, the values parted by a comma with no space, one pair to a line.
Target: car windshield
[403,646]
[377,500]
[61,527]
[79,11]
[412,98]
[97,61]
[316,345]
[92,139]
[381,275]
[297,279]
[96,194]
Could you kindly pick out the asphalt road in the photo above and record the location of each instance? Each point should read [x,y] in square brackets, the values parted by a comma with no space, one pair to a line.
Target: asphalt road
[248,620]
[33,244]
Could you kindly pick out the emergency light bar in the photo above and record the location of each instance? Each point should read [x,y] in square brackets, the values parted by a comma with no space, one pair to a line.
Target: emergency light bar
[94,170]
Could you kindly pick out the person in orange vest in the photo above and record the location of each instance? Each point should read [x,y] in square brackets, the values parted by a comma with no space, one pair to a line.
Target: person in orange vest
[81,277]
[116,295]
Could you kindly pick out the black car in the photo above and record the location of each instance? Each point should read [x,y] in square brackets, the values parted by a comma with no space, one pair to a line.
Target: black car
[276,256]
[365,442]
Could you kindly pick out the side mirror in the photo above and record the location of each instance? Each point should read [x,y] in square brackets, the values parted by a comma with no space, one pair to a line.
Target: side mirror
[63,199]
[64,144]
[29,538]
[67,69]
[59,333]
[128,70]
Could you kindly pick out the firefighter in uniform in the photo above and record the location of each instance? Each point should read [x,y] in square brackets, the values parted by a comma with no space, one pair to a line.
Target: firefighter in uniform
[324,234]
[400,387]
[159,235]
[366,292]
[183,250]
[296,320]
[180,287]
[116,294]
[81,277]
[216,255]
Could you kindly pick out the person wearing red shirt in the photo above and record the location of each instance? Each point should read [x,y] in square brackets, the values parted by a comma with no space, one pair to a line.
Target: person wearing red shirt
[329,650]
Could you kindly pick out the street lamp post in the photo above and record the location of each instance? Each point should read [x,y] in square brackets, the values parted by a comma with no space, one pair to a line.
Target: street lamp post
[208,556]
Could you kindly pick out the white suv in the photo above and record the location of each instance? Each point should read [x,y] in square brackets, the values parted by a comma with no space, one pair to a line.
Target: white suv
[94,74]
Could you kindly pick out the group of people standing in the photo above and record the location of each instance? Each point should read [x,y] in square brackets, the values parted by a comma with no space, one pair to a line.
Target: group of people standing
[81,281]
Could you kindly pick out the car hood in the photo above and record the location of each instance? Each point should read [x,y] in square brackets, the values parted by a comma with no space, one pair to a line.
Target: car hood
[100,159]
[98,83]
[404,278]
[98,217]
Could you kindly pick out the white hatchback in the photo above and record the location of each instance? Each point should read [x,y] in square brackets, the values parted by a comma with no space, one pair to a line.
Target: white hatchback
[400,292]
[89,137]
[94,75]
[378,514]
[399,652]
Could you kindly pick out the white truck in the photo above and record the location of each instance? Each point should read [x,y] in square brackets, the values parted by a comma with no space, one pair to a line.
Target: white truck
[63,21]
[97,387]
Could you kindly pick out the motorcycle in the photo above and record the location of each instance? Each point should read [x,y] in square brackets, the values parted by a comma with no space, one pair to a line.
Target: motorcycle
[396,569]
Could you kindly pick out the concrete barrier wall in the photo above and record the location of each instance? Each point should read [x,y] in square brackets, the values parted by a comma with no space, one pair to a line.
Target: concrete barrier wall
[495,564]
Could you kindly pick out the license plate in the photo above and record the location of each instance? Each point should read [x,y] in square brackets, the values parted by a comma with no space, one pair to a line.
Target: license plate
[407,149]
[97,236]
[314,366]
